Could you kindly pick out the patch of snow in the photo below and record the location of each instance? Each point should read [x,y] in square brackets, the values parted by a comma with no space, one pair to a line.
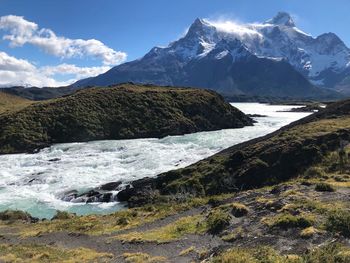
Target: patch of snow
[276,39]
[301,32]
[319,82]
[222,54]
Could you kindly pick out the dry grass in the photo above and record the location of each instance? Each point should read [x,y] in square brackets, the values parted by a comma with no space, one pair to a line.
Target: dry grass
[43,253]
[142,258]
[9,103]
[170,232]
[309,232]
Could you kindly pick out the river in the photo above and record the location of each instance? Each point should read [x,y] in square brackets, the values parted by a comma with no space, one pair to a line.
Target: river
[35,182]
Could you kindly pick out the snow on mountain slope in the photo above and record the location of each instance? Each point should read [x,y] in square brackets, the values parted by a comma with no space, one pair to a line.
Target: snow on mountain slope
[208,45]
[277,38]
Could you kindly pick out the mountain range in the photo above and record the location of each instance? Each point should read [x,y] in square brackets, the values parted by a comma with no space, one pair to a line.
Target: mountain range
[273,58]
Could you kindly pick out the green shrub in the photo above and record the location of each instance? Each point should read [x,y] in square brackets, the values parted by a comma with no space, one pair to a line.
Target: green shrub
[339,221]
[239,210]
[122,221]
[217,220]
[314,172]
[331,253]
[258,255]
[14,215]
[286,221]
[63,215]
[324,187]
[235,234]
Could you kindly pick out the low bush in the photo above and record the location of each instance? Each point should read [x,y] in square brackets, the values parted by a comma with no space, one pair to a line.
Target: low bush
[217,220]
[308,232]
[63,215]
[339,221]
[239,210]
[324,187]
[258,255]
[331,253]
[15,215]
[314,172]
[286,221]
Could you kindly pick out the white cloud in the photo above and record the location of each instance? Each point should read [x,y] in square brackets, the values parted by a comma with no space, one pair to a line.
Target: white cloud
[8,63]
[235,28]
[19,31]
[14,71]
[79,72]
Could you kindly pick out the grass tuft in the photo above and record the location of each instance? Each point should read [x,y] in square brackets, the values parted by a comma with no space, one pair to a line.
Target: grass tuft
[42,253]
[170,232]
[217,220]
[142,258]
[324,187]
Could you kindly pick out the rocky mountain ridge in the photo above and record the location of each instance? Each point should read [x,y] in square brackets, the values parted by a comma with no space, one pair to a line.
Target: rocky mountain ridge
[206,55]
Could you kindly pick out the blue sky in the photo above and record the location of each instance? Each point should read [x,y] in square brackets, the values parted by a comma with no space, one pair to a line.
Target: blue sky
[133,27]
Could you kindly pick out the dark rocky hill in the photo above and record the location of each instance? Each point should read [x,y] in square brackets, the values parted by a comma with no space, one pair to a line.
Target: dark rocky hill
[121,112]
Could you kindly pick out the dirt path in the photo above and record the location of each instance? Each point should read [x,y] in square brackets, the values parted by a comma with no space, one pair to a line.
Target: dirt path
[252,229]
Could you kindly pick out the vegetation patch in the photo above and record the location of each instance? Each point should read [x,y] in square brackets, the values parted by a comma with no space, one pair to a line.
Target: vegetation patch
[187,251]
[339,221]
[142,258]
[286,220]
[239,210]
[11,103]
[217,220]
[170,232]
[234,235]
[324,187]
[106,224]
[42,253]
[63,215]
[15,215]
[332,253]
[314,172]
[309,232]
[259,255]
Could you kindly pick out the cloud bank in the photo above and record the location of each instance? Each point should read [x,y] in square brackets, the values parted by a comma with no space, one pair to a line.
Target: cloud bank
[18,32]
[20,72]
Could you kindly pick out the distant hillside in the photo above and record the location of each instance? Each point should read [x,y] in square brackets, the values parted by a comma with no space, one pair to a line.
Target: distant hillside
[10,102]
[35,93]
[121,112]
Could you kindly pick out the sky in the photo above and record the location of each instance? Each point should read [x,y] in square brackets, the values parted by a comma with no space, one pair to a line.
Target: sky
[56,42]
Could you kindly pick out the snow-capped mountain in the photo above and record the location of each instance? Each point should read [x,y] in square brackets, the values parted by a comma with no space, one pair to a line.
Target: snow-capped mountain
[273,58]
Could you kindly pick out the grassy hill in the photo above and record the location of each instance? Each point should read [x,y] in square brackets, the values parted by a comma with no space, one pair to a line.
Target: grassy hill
[10,102]
[123,112]
[268,160]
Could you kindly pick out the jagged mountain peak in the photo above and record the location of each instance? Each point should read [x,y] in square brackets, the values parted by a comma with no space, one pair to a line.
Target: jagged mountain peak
[216,41]
[330,39]
[282,19]
[200,28]
[199,22]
